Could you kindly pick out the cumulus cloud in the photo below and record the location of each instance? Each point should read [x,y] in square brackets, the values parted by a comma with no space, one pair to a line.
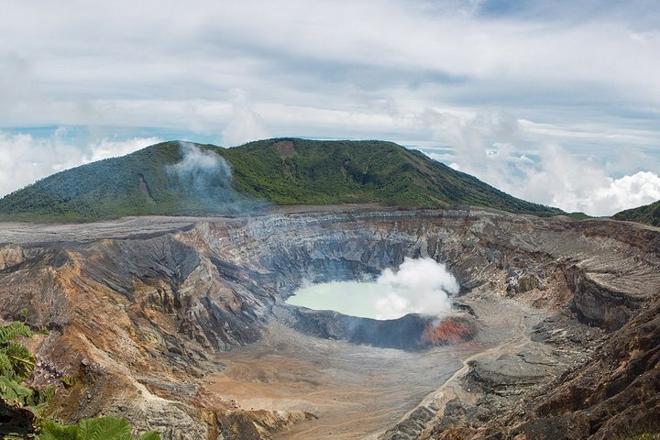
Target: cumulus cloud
[244,124]
[465,74]
[511,155]
[25,158]
[629,191]
[576,184]
[106,148]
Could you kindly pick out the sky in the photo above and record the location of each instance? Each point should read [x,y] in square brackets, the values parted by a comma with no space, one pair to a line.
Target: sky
[554,102]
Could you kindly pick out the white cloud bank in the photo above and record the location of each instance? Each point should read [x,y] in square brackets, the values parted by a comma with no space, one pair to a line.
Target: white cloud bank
[629,191]
[466,74]
[511,155]
[579,185]
[25,159]
[244,124]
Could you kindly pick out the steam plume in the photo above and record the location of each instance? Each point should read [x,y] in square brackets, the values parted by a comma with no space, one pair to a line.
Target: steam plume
[205,180]
[201,169]
[419,286]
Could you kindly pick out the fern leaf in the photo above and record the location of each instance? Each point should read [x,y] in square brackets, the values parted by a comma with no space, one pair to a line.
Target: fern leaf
[13,393]
[100,428]
[104,428]
[21,359]
[6,368]
[55,431]
[12,330]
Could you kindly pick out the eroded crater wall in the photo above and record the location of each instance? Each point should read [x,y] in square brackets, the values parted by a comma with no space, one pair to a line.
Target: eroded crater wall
[152,306]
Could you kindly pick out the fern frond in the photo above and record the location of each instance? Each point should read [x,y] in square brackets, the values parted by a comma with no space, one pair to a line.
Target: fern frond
[13,393]
[6,367]
[42,399]
[55,431]
[104,428]
[100,428]
[12,330]
[21,359]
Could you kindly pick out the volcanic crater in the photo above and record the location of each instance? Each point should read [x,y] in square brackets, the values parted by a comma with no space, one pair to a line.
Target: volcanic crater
[181,324]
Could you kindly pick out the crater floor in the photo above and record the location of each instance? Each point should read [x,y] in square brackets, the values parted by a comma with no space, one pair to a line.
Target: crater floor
[358,391]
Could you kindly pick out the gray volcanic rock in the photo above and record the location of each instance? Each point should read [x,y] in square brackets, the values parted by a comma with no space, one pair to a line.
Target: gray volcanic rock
[508,373]
[152,303]
[404,333]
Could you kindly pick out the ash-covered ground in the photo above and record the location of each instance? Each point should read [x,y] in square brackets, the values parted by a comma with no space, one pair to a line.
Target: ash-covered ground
[181,325]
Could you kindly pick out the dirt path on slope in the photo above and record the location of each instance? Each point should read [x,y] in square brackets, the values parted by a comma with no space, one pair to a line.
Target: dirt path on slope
[452,388]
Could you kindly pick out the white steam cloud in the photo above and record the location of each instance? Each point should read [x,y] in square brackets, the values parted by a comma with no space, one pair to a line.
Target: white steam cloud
[204,180]
[419,286]
[200,167]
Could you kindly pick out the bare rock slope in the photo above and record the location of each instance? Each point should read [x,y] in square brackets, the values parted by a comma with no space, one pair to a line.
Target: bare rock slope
[141,312]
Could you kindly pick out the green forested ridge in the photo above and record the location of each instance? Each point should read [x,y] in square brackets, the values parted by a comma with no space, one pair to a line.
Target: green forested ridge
[106,189]
[280,171]
[649,214]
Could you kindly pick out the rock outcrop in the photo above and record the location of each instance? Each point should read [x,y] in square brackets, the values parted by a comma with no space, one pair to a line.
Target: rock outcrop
[139,309]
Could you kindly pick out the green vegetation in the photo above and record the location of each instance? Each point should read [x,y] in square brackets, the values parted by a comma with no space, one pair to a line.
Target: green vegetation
[16,365]
[298,171]
[648,214]
[22,407]
[100,428]
[105,189]
[578,215]
[280,171]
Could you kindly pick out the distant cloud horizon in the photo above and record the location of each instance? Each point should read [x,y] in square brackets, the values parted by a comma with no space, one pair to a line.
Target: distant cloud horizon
[554,102]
